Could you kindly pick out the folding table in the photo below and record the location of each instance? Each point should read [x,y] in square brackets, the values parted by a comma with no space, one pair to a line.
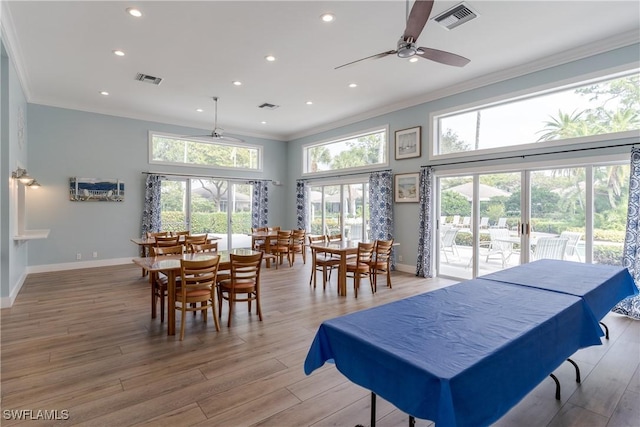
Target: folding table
[465,354]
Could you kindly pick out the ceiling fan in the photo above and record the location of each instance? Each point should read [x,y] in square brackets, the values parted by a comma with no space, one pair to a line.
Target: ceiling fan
[407,44]
[218,133]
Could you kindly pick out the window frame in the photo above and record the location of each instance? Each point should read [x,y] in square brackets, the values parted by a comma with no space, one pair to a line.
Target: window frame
[529,93]
[258,148]
[366,168]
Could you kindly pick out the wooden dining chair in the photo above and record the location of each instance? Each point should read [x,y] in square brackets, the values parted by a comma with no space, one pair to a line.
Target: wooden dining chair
[203,248]
[381,262]
[198,285]
[167,241]
[181,233]
[320,261]
[298,245]
[282,247]
[258,244]
[160,282]
[189,240]
[244,280]
[276,228]
[359,267]
[157,234]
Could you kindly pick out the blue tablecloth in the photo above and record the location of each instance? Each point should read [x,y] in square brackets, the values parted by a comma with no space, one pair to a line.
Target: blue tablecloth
[601,286]
[461,355]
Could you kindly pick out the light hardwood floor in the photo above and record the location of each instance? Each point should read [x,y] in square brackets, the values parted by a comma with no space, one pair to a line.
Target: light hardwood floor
[84,341]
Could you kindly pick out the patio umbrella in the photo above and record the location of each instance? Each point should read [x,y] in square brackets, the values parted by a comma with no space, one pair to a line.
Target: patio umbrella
[486,191]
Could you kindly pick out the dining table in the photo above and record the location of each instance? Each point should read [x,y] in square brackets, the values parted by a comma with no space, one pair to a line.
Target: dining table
[144,243]
[341,248]
[267,237]
[170,265]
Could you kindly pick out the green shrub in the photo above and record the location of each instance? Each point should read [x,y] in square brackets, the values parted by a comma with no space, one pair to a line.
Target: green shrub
[611,255]
[207,222]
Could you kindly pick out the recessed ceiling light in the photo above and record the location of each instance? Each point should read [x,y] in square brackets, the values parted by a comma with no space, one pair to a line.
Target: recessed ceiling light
[353,85]
[263,122]
[104,92]
[134,12]
[199,110]
[118,52]
[414,59]
[309,102]
[328,17]
[237,83]
[270,58]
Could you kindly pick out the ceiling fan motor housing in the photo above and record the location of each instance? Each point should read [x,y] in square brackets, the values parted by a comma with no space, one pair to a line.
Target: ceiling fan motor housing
[406,49]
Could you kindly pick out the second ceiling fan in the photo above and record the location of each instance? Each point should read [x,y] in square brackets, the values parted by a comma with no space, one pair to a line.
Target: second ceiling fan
[407,44]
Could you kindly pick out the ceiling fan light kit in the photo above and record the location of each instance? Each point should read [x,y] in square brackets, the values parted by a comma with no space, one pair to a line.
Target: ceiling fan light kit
[217,133]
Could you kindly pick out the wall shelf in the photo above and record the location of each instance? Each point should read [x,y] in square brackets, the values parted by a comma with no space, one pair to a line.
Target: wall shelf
[31,235]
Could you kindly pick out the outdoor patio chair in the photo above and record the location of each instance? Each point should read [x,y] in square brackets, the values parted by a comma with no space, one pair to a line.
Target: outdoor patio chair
[573,239]
[550,248]
[501,244]
[448,242]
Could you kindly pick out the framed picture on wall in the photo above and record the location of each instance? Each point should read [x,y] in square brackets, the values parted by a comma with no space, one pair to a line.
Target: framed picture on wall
[406,187]
[408,143]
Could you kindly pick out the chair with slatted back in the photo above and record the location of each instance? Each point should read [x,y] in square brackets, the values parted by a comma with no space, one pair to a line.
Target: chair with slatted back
[199,239]
[359,267]
[160,282]
[282,247]
[320,261]
[157,234]
[550,248]
[244,280]
[298,245]
[181,233]
[167,241]
[381,262]
[198,285]
[258,244]
[203,248]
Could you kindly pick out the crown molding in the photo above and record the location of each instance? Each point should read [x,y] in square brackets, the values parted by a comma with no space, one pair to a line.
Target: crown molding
[561,58]
[11,44]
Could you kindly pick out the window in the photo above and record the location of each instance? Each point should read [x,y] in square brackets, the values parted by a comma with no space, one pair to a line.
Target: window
[340,209]
[182,151]
[608,106]
[352,152]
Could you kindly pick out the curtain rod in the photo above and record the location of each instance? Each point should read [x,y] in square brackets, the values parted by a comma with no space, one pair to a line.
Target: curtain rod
[344,174]
[522,156]
[188,175]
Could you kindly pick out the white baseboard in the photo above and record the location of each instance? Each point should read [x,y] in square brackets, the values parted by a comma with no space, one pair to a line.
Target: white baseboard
[406,268]
[77,265]
[7,302]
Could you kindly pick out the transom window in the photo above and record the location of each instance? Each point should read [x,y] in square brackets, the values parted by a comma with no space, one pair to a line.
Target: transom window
[351,152]
[178,150]
[596,108]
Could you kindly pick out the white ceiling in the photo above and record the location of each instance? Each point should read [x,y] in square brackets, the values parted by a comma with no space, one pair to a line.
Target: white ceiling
[63,53]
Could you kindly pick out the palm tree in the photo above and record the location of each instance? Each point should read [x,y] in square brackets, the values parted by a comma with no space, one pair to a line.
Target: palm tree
[564,126]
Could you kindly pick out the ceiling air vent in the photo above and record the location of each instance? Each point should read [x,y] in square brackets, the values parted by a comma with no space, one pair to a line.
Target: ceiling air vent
[148,79]
[268,106]
[455,16]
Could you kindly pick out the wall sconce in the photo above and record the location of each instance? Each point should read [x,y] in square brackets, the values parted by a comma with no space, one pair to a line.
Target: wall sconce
[22,176]
[34,184]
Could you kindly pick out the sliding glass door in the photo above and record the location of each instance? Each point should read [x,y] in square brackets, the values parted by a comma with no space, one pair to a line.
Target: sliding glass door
[488,222]
[340,209]
[203,205]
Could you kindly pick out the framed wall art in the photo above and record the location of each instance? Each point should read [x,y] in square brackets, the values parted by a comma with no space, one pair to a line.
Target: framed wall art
[408,143]
[406,187]
[95,190]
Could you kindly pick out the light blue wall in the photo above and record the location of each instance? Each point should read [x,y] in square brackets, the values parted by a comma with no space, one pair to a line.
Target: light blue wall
[66,143]
[406,214]
[14,253]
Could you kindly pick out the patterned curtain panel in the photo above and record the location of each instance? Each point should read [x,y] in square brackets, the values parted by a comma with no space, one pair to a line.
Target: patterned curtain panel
[425,223]
[302,205]
[381,207]
[260,208]
[631,255]
[151,220]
